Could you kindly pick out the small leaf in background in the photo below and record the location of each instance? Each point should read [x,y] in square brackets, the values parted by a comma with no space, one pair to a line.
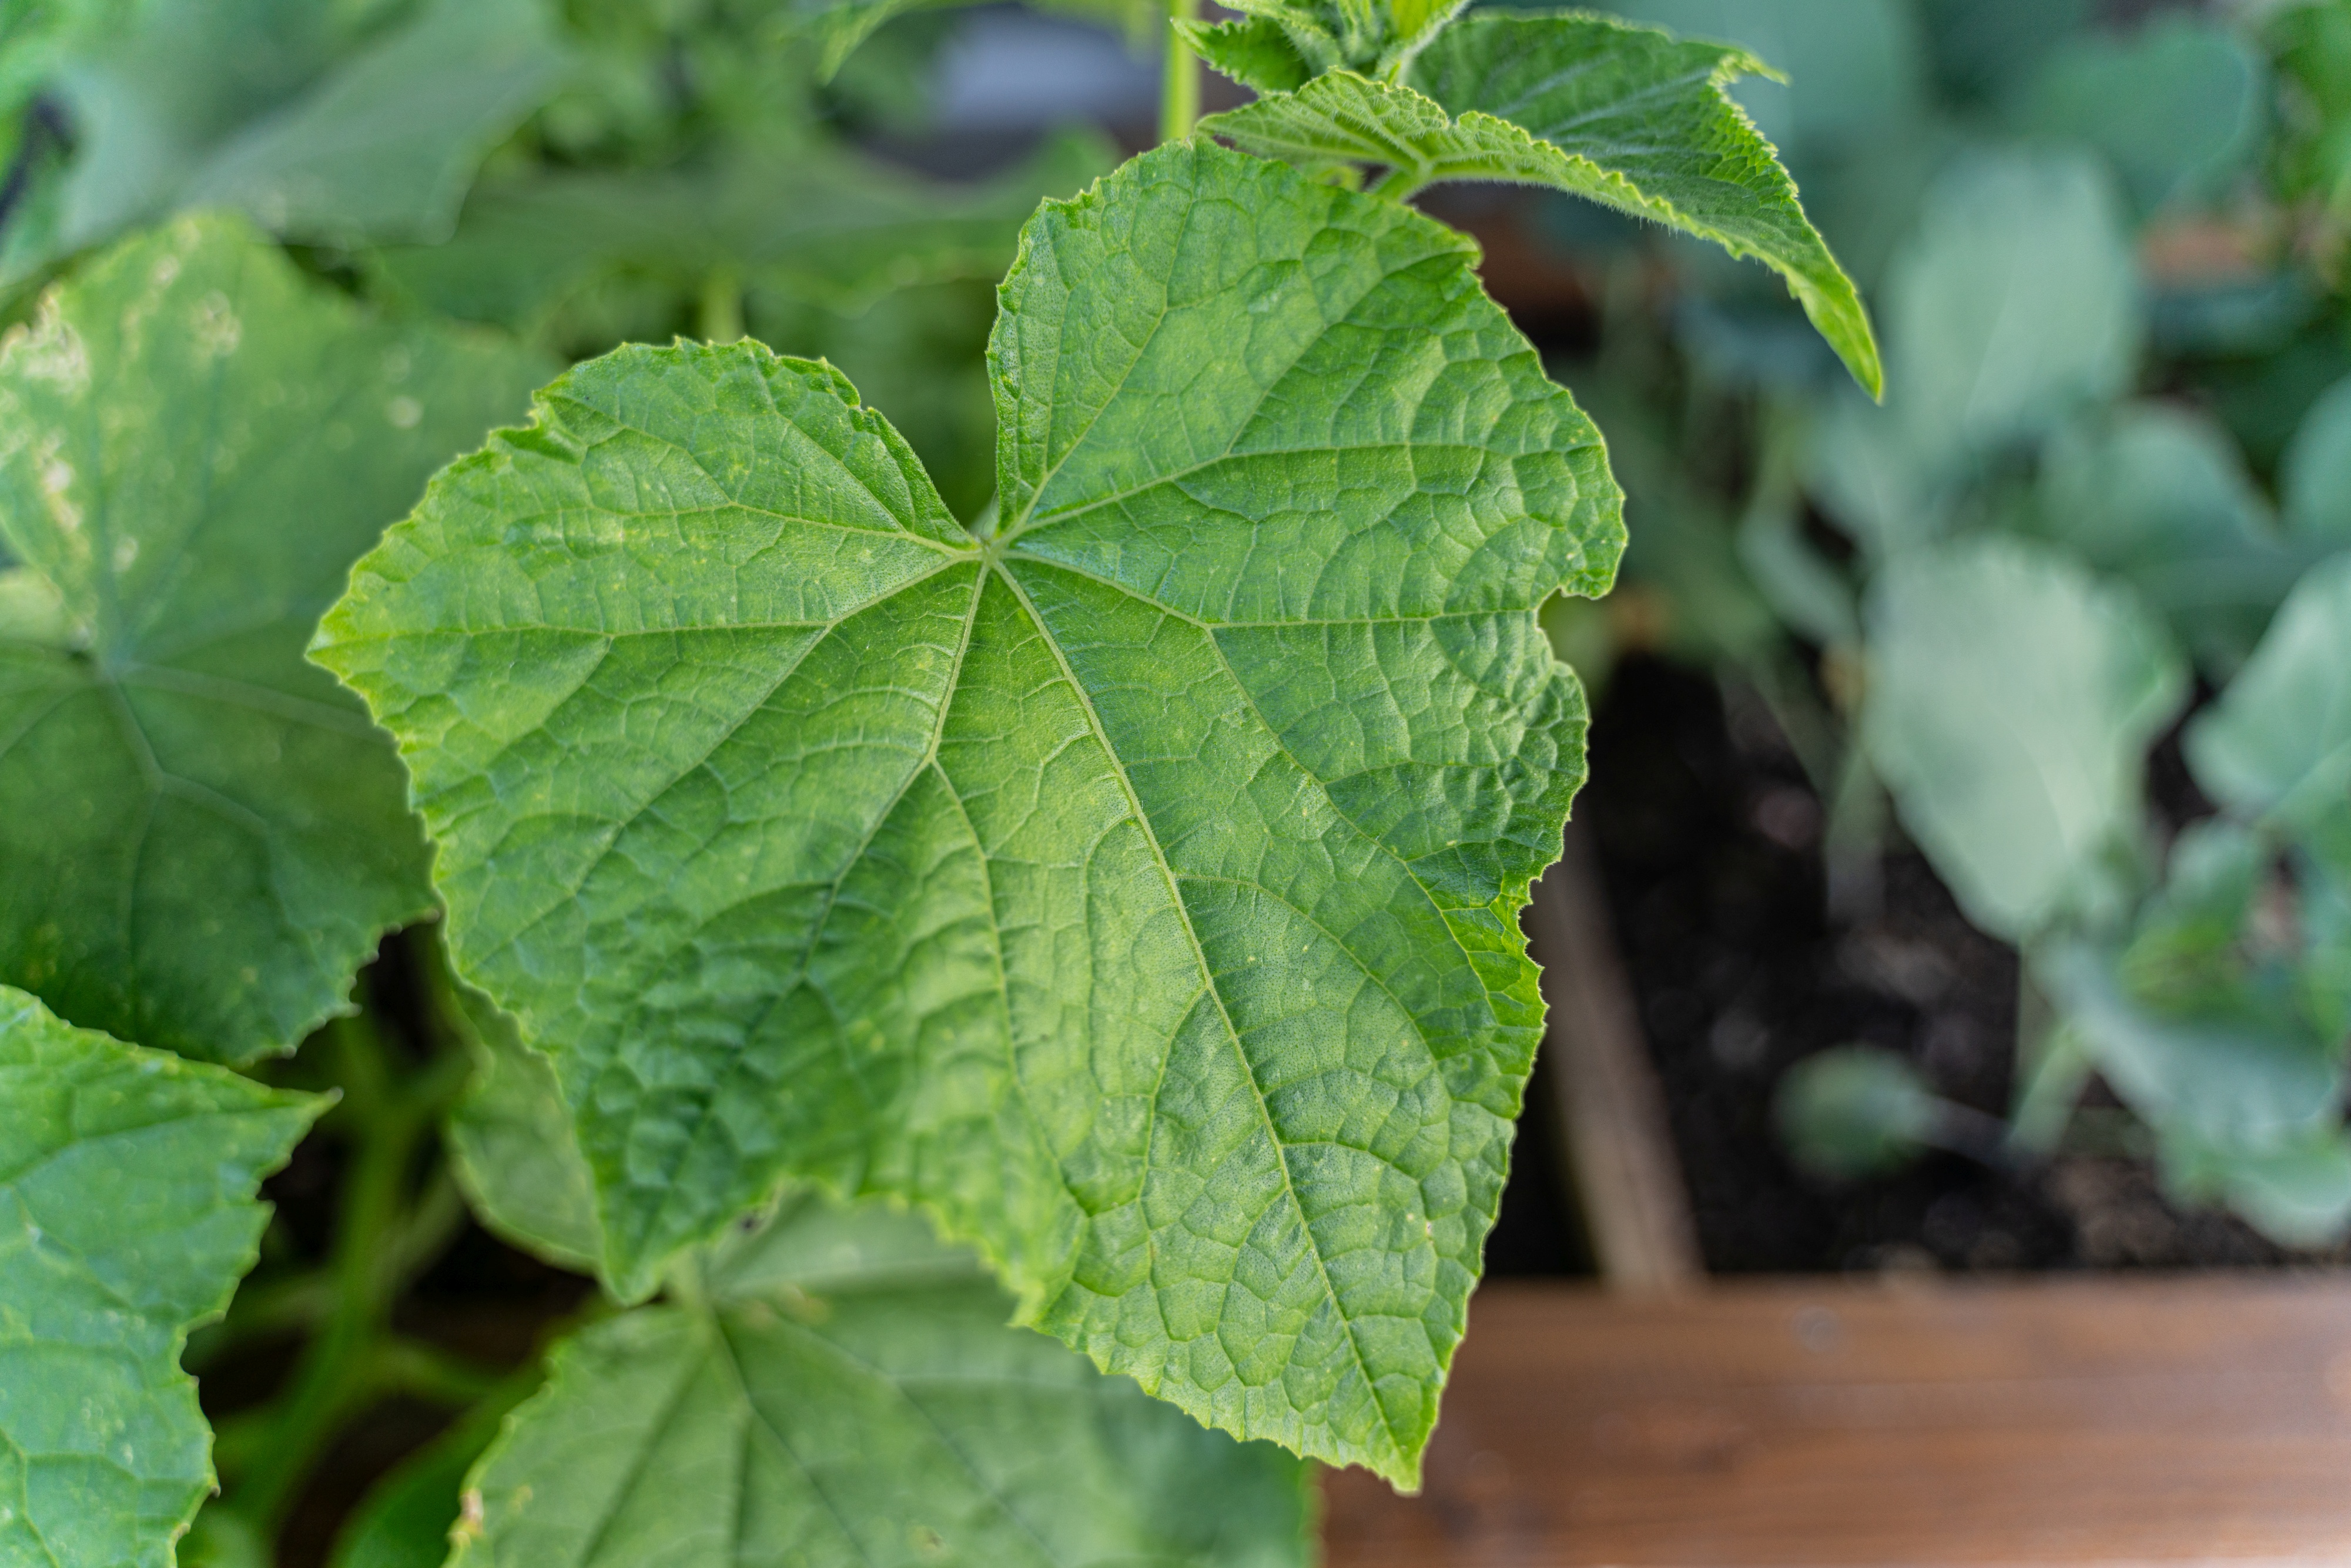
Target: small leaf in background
[2250,1082]
[1137,888]
[2311,46]
[2012,305]
[2015,302]
[2177,105]
[127,1216]
[2314,477]
[2186,953]
[1625,116]
[1855,1110]
[407,1517]
[2010,703]
[204,834]
[2277,745]
[2297,1196]
[312,129]
[842,1391]
[2158,496]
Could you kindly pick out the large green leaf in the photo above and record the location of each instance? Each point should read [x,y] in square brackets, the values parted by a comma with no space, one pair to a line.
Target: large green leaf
[2278,743]
[1627,116]
[1137,888]
[843,1390]
[127,1216]
[288,111]
[203,835]
[2010,703]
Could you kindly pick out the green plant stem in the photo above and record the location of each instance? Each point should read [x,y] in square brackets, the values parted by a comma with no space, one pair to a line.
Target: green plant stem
[1179,94]
[274,1452]
[718,315]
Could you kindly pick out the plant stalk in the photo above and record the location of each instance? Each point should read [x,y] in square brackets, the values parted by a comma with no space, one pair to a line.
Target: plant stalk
[1179,94]
[718,315]
[344,1366]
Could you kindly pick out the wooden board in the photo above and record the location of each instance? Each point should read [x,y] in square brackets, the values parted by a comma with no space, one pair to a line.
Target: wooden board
[2179,1419]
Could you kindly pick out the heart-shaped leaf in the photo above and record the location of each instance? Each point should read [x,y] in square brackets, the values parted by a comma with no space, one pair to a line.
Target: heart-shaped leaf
[1135,885]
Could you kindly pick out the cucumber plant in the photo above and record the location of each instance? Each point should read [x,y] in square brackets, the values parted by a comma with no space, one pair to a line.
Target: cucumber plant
[867,933]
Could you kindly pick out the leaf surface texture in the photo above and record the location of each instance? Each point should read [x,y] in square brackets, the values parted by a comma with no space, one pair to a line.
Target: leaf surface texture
[1135,889]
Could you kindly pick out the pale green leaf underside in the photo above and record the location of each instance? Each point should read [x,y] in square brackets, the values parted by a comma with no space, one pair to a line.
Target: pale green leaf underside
[1627,116]
[203,835]
[1137,890]
[127,1215]
[848,1394]
[511,1147]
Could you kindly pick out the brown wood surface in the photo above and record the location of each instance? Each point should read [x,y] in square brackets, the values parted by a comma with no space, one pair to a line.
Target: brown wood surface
[2178,1419]
[1609,1109]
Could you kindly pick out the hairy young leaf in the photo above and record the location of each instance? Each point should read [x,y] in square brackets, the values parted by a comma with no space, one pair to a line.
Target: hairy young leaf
[1277,44]
[1855,68]
[1627,116]
[847,1394]
[2010,703]
[1253,50]
[127,1216]
[1135,888]
[204,834]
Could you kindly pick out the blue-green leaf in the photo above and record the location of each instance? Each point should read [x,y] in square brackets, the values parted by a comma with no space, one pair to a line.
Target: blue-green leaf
[2010,702]
[2277,746]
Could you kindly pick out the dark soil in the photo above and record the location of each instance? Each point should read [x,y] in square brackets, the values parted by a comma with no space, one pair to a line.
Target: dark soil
[1708,839]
